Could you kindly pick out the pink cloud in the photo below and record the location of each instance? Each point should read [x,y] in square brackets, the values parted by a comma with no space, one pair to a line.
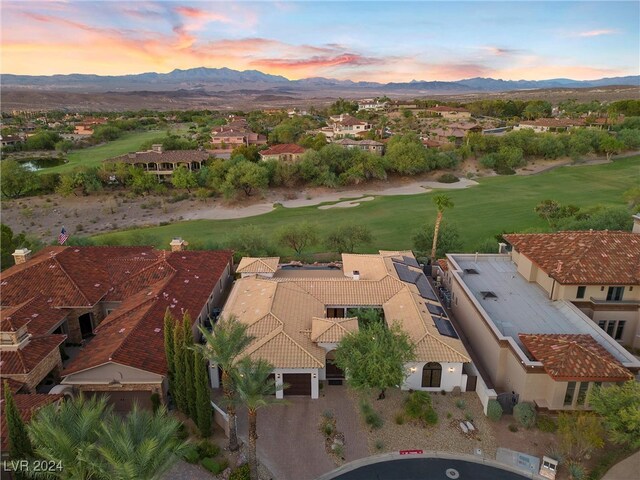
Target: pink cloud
[596,33]
[198,14]
[316,61]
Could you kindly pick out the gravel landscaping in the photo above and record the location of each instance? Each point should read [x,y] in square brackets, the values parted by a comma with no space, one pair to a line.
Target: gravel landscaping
[446,435]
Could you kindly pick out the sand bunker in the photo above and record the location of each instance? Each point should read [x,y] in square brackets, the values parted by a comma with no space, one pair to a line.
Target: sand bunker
[347,203]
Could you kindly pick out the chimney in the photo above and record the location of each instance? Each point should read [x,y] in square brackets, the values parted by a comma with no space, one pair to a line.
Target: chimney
[157,147]
[178,244]
[21,255]
[502,248]
[636,223]
[356,274]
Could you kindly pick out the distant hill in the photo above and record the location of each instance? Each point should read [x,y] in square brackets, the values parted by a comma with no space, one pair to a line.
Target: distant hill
[224,79]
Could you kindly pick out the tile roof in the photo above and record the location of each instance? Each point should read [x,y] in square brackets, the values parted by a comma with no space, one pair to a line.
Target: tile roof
[170,156]
[332,330]
[443,108]
[348,120]
[133,334]
[258,265]
[571,357]
[28,405]
[36,313]
[554,122]
[581,257]
[282,148]
[23,360]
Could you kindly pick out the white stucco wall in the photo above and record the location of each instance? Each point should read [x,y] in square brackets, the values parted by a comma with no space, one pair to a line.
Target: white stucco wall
[452,377]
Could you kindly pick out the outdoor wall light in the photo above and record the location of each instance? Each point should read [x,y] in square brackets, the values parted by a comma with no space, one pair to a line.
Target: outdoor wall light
[413,369]
[278,375]
[451,369]
[315,375]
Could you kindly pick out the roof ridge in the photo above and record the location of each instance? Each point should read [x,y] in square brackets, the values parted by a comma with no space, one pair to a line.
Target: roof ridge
[429,334]
[71,279]
[303,349]
[252,347]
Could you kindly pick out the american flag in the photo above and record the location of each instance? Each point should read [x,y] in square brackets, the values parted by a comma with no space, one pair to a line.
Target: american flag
[63,236]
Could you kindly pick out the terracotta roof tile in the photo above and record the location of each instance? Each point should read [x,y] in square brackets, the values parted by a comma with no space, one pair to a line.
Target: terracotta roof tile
[21,361]
[332,330]
[568,357]
[35,313]
[577,258]
[258,265]
[283,148]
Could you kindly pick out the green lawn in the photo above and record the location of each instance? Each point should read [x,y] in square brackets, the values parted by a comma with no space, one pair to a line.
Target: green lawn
[93,156]
[480,212]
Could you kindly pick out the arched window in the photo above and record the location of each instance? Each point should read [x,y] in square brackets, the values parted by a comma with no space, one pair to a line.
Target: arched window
[431,375]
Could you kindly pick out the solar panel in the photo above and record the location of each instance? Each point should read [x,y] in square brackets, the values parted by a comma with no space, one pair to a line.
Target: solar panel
[410,261]
[444,327]
[436,310]
[425,288]
[405,274]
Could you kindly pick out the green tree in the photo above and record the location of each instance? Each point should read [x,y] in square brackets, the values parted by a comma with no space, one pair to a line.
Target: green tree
[406,154]
[346,238]
[342,106]
[537,109]
[256,389]
[169,346]
[610,145]
[632,197]
[298,236]
[249,152]
[141,182]
[42,140]
[620,409]
[69,433]
[182,177]
[250,241]
[9,243]
[374,357]
[598,218]
[140,446]
[442,202]
[448,240]
[189,377]
[203,401]
[179,360]
[223,346]
[19,444]
[579,433]
[16,180]
[247,177]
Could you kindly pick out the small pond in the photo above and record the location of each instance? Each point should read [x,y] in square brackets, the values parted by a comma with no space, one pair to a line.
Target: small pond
[35,164]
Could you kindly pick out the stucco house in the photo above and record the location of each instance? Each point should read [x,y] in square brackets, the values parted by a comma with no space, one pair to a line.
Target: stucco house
[453,113]
[344,124]
[110,301]
[299,314]
[370,146]
[285,152]
[162,163]
[530,342]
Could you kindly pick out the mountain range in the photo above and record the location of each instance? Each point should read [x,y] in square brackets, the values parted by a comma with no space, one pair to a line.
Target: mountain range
[225,79]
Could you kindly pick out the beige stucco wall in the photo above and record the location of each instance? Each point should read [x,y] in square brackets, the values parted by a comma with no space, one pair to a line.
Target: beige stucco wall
[111,371]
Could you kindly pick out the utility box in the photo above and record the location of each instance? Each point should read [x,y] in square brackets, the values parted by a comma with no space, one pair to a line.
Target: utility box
[549,468]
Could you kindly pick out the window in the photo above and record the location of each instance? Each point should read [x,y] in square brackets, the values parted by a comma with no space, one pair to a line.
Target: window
[431,375]
[568,396]
[614,294]
[580,293]
[582,393]
[614,328]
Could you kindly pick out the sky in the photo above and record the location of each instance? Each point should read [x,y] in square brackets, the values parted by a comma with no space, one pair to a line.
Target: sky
[360,41]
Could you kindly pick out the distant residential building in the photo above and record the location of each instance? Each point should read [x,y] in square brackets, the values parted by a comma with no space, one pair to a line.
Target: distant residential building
[286,152]
[453,113]
[235,133]
[366,145]
[162,162]
[87,126]
[296,112]
[554,125]
[453,132]
[10,140]
[345,124]
[371,104]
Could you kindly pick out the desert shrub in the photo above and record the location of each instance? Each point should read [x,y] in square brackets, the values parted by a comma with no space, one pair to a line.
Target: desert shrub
[430,417]
[468,416]
[449,415]
[327,428]
[178,197]
[191,455]
[494,410]
[460,404]
[399,418]
[208,449]
[513,427]
[576,471]
[379,445]
[371,417]
[214,466]
[338,450]
[546,424]
[241,473]
[448,178]
[328,414]
[525,414]
[417,403]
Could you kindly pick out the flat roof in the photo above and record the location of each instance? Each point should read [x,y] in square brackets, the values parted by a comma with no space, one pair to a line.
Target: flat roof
[523,307]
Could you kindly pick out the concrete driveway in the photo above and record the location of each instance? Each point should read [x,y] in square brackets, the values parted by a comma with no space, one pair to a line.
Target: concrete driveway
[290,444]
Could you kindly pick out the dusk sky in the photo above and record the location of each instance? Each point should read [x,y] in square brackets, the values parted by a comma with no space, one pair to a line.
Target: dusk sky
[373,41]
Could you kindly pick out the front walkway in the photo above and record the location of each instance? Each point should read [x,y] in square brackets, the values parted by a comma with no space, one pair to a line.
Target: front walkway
[290,444]
[627,469]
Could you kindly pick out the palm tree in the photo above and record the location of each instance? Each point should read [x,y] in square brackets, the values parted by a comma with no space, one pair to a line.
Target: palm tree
[67,434]
[228,340]
[441,202]
[255,389]
[141,446]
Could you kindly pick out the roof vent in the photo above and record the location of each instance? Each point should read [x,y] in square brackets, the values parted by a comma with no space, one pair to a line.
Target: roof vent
[488,294]
[356,274]
[471,271]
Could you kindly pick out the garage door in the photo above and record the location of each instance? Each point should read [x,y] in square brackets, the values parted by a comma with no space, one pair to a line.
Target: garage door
[123,401]
[299,383]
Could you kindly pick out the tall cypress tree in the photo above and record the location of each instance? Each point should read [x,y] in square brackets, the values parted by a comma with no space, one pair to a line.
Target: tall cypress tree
[203,401]
[19,444]
[189,378]
[169,327]
[178,367]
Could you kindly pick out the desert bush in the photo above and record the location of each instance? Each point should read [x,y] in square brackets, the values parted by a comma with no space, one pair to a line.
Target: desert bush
[546,424]
[525,414]
[448,178]
[494,410]
[513,427]
[460,404]
[379,445]
[241,473]
[214,466]
[191,455]
[430,417]
[207,449]
[399,418]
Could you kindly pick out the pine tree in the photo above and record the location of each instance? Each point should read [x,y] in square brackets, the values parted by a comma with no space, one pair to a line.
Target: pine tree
[189,379]
[203,402]
[179,358]
[169,327]
[19,444]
